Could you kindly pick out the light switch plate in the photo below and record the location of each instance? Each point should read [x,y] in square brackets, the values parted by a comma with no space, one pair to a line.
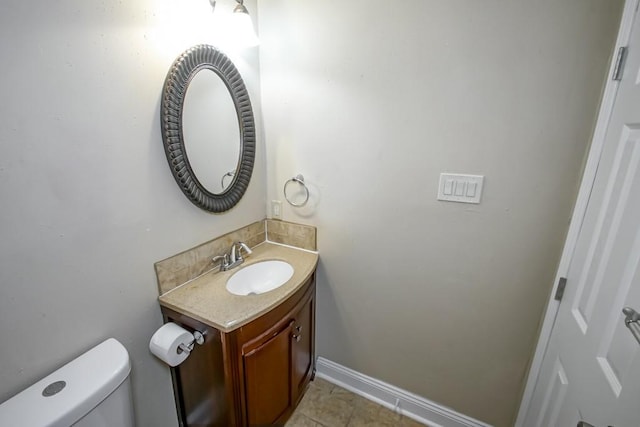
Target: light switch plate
[455,187]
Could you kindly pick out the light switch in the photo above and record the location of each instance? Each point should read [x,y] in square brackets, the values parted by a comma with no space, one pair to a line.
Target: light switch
[471,189]
[448,187]
[460,188]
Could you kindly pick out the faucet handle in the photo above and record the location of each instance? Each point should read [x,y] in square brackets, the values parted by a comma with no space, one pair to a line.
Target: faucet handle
[224,261]
[245,248]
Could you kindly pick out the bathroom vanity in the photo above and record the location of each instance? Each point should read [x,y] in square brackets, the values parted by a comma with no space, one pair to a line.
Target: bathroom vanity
[258,354]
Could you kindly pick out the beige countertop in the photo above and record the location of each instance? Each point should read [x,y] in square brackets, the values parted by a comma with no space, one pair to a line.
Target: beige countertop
[206,298]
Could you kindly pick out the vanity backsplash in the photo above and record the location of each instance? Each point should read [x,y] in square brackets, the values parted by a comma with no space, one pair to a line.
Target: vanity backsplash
[185,266]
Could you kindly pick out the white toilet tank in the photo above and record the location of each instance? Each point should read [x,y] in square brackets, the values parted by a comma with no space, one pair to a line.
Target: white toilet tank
[92,390]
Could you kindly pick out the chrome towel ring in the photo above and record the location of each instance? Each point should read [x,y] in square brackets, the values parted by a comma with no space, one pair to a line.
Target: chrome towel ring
[300,180]
[230,174]
[632,320]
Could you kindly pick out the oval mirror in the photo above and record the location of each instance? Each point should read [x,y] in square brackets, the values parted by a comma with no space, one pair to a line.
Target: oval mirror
[208,129]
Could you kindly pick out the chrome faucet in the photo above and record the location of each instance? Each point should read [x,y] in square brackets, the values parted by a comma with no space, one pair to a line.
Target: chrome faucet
[234,257]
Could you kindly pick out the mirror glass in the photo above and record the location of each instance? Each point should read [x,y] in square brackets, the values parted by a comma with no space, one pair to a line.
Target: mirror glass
[211,132]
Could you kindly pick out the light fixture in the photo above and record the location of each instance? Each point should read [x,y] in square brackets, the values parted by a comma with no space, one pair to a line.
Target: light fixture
[242,27]
[237,30]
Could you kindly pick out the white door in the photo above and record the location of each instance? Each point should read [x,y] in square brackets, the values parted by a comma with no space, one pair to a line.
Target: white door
[591,369]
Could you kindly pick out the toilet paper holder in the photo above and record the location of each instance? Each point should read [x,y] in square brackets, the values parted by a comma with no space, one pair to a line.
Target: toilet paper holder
[198,338]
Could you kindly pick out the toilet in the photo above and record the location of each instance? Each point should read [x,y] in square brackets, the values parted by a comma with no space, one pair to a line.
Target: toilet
[92,390]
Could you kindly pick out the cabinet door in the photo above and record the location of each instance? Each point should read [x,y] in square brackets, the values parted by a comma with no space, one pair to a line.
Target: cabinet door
[303,347]
[268,379]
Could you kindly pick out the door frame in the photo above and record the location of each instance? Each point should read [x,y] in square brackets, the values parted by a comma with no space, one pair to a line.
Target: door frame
[588,178]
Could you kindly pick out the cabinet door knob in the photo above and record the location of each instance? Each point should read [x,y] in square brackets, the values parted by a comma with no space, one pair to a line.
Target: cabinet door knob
[297,338]
[298,328]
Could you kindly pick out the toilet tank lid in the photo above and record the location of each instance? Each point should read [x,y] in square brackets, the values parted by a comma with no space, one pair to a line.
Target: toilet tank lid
[89,379]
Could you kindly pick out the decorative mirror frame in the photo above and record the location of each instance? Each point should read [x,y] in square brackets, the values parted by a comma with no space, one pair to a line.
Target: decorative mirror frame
[193,60]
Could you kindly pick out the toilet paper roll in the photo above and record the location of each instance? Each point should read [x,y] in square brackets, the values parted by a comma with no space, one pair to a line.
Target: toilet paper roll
[165,342]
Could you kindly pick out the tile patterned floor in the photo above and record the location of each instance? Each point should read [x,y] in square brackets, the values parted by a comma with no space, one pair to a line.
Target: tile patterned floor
[327,405]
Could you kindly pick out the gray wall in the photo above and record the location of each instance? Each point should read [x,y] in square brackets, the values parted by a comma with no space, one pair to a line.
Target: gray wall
[88,203]
[371,100]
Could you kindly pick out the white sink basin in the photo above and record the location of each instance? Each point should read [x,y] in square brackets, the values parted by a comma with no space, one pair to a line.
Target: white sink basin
[260,277]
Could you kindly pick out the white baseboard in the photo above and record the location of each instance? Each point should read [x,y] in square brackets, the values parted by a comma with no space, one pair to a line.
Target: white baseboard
[394,398]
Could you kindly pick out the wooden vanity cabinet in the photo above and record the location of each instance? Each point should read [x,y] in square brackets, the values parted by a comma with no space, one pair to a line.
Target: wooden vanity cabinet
[254,375]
